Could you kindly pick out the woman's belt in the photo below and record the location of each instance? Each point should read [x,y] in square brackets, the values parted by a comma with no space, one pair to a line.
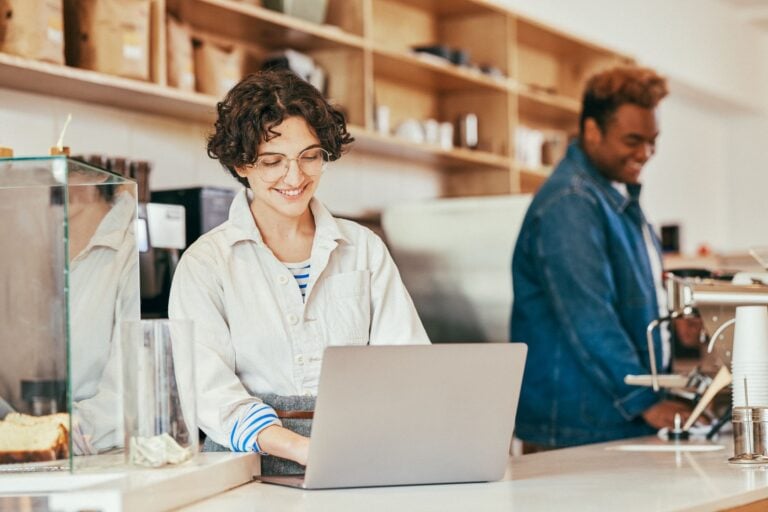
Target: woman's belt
[294,415]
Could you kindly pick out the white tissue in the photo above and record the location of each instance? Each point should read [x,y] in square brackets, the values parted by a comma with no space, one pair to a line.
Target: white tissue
[157,451]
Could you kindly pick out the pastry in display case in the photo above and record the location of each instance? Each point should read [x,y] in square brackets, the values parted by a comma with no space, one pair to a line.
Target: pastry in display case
[68,277]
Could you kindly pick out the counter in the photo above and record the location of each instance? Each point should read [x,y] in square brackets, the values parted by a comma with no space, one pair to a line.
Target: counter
[587,478]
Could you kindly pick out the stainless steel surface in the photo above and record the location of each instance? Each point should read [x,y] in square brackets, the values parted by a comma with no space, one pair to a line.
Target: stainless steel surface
[714,301]
[718,332]
[652,350]
[750,435]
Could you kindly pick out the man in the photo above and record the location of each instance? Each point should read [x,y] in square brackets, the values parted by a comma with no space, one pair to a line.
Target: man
[587,277]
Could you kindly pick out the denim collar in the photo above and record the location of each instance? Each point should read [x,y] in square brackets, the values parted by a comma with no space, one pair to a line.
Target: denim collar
[587,170]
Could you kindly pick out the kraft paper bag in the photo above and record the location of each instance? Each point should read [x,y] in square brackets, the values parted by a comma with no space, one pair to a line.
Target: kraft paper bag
[33,29]
[217,68]
[181,60]
[109,36]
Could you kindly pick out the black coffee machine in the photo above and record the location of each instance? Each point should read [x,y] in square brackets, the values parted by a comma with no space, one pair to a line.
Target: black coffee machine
[177,218]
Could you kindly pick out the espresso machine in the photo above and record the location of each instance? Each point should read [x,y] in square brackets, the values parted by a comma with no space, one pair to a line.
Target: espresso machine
[715,302]
[161,237]
[171,221]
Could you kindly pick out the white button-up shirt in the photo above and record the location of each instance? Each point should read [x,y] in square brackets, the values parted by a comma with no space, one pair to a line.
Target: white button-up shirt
[253,332]
[104,291]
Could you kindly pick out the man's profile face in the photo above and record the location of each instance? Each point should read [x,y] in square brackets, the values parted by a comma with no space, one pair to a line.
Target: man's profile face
[628,142]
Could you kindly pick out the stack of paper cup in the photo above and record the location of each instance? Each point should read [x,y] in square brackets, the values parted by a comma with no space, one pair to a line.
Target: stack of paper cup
[749,360]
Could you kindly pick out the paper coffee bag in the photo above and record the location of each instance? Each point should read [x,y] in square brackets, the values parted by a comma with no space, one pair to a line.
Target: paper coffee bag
[33,29]
[181,61]
[217,68]
[109,36]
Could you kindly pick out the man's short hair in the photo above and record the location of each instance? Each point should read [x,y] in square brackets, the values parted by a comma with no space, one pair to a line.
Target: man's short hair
[605,92]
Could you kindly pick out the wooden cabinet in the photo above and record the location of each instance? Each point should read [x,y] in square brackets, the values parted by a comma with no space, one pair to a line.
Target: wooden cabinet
[520,74]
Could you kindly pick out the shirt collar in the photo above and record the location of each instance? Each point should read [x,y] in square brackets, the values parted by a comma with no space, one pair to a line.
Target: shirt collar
[243,227]
[113,227]
[119,220]
[619,198]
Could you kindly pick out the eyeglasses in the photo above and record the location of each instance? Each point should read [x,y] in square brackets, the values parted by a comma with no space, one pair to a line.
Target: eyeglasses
[311,162]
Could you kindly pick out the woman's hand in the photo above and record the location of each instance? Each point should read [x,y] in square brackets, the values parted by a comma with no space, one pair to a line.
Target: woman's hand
[281,442]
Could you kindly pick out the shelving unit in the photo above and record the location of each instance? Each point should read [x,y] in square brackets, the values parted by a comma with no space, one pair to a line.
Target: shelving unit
[366,48]
[531,180]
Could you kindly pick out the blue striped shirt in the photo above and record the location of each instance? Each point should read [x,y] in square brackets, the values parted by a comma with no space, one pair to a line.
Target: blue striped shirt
[300,272]
[246,429]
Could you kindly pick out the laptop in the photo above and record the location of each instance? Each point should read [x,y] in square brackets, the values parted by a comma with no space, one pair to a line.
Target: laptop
[412,414]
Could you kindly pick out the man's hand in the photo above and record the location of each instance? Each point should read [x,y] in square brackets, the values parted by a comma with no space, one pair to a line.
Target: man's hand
[663,413]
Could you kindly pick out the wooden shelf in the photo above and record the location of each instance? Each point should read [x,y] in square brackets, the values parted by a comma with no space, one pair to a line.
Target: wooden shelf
[84,85]
[261,26]
[550,40]
[92,87]
[542,108]
[431,72]
[457,158]
[532,180]
[456,7]
[365,50]
[555,101]
[551,60]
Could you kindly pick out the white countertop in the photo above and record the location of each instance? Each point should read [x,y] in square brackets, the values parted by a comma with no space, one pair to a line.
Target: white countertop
[594,477]
[106,484]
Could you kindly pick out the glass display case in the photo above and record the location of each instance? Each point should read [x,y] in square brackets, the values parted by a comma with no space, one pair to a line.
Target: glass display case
[69,276]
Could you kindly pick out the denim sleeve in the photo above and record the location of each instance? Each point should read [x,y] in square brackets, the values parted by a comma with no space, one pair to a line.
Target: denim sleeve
[573,258]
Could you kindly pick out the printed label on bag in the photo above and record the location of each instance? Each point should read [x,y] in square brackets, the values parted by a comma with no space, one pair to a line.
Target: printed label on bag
[231,75]
[54,31]
[132,47]
[187,80]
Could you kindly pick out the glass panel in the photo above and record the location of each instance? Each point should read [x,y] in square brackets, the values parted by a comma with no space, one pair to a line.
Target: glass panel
[68,278]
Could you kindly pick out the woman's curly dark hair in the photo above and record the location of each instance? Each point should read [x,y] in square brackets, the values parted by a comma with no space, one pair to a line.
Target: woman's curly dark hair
[250,111]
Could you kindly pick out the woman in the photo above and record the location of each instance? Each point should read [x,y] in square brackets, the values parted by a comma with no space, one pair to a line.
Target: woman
[282,279]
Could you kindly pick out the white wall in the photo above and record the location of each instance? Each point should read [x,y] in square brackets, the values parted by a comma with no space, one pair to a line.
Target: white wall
[685,182]
[747,212]
[707,173]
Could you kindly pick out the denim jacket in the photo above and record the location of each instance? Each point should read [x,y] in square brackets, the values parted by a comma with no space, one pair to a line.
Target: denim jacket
[583,297]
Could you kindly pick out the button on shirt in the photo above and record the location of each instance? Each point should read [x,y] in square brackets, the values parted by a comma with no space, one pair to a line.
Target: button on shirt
[253,332]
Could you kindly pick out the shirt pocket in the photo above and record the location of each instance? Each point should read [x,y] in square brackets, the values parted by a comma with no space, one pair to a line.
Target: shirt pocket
[347,306]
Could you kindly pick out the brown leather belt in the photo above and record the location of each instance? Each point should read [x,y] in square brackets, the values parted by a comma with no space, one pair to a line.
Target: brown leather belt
[295,415]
